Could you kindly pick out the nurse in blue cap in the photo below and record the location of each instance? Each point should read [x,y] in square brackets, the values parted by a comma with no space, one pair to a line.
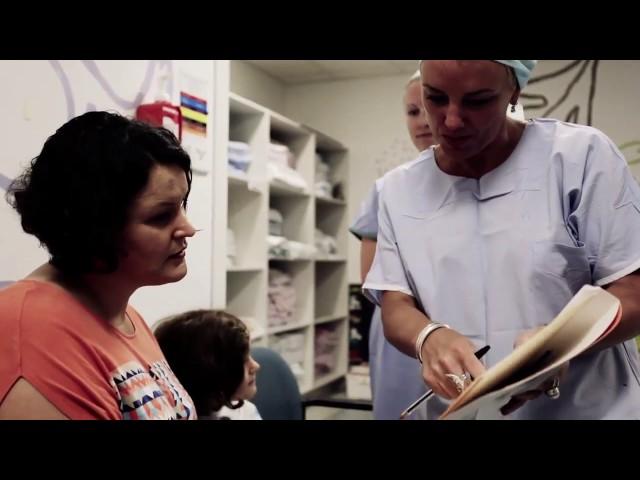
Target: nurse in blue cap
[486,237]
[395,377]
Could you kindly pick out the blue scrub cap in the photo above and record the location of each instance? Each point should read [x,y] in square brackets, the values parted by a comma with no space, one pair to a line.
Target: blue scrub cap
[523,69]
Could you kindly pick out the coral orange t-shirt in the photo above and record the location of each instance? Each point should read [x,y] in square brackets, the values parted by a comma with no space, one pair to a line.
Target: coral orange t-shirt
[84,366]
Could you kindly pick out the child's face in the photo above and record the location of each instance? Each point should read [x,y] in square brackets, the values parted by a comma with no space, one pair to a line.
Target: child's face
[247,389]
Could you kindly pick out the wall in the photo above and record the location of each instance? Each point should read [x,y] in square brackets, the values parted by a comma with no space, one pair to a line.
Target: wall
[252,83]
[39,96]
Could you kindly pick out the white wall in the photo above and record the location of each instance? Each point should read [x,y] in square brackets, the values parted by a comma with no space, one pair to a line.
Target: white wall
[366,115]
[255,84]
[40,96]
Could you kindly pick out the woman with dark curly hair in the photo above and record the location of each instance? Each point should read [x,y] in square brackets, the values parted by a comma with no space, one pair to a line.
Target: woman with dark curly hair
[209,352]
[106,197]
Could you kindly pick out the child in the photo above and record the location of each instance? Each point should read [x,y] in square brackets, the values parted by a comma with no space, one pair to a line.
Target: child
[209,353]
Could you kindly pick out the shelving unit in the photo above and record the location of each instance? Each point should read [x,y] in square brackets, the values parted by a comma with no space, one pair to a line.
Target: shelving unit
[247,206]
[331,285]
[319,282]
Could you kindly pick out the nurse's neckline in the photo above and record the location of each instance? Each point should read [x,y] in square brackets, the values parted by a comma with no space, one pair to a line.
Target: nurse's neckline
[515,142]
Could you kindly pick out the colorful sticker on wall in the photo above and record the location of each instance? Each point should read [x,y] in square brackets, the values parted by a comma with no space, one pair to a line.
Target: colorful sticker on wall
[194,114]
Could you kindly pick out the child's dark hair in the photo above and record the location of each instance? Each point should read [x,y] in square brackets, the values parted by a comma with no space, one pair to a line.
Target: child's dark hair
[207,350]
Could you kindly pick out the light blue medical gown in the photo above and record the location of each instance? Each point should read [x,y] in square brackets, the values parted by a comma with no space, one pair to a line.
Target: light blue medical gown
[396,378]
[505,253]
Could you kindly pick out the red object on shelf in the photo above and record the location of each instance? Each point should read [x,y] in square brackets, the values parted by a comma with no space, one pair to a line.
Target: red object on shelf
[162,114]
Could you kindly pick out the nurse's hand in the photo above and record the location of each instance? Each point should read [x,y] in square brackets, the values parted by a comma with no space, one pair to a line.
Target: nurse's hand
[518,401]
[447,352]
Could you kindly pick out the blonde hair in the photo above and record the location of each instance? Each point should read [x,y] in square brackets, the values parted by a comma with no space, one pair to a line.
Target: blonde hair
[414,77]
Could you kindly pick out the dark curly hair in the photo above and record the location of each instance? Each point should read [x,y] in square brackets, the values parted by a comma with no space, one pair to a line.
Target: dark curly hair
[207,350]
[75,196]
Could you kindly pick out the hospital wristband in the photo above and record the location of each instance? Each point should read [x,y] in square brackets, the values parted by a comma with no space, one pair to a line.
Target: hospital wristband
[424,333]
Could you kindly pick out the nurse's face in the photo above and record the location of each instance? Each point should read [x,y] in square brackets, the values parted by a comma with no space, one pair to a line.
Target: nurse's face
[465,102]
[417,125]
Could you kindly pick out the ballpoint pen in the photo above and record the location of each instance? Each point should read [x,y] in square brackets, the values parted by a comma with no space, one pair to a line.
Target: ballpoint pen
[479,354]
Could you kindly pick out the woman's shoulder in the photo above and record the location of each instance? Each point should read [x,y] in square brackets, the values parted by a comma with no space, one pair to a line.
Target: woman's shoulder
[31,293]
[566,132]
[582,152]
[412,171]
[42,310]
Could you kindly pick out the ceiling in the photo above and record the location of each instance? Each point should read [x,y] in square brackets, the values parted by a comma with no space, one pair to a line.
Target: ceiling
[295,72]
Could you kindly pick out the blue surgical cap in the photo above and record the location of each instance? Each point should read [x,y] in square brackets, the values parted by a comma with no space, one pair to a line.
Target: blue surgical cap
[523,69]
